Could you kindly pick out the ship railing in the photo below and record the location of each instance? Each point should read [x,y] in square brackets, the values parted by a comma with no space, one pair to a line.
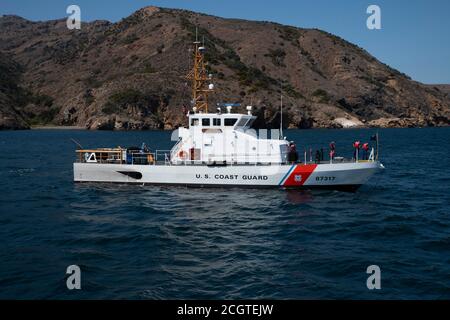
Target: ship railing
[224,163]
[150,158]
[121,156]
[104,155]
[359,156]
[142,158]
[176,148]
[163,156]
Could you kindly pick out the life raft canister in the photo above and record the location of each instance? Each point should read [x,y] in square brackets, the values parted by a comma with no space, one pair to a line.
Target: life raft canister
[182,154]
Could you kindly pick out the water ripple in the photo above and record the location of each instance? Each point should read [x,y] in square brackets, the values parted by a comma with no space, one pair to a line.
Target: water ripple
[164,242]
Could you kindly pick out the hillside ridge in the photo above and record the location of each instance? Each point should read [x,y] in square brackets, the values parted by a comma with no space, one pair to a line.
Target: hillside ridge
[130,75]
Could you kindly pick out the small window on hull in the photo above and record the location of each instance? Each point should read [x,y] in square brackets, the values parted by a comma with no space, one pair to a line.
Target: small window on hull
[217,122]
[194,122]
[210,130]
[205,122]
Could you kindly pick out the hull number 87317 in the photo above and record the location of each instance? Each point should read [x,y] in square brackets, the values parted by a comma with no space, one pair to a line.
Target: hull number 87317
[325,178]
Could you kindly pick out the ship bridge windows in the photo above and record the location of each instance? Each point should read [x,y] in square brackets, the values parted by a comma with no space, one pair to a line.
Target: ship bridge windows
[238,122]
[250,122]
[229,122]
[242,122]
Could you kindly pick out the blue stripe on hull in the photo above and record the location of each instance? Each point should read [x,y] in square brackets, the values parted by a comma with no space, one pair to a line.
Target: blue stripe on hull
[287,175]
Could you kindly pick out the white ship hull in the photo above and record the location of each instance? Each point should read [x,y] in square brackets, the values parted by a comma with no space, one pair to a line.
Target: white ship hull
[335,176]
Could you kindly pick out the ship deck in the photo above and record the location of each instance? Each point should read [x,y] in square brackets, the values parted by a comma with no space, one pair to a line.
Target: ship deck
[162,158]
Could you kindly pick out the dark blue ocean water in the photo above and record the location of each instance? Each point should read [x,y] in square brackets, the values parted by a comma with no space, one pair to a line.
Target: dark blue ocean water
[136,242]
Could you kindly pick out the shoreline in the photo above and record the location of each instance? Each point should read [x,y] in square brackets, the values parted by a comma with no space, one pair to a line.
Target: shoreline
[86,129]
[57,128]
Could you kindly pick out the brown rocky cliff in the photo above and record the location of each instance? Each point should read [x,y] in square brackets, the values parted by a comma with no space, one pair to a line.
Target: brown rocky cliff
[130,74]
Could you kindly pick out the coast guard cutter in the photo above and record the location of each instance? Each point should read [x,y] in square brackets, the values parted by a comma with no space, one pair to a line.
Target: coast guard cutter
[221,149]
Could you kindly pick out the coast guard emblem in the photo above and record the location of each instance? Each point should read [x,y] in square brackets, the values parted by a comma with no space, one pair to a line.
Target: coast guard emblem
[298,178]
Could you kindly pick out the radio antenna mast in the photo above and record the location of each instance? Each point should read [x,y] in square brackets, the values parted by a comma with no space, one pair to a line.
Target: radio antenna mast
[281,118]
[200,78]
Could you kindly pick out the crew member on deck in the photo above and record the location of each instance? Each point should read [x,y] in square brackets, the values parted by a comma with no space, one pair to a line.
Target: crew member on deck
[317,160]
[292,155]
[365,148]
[332,150]
[144,148]
[356,146]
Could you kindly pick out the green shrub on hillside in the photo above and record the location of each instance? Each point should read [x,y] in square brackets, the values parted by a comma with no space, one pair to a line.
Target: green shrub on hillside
[277,57]
[42,100]
[290,91]
[322,95]
[130,39]
[290,34]
[119,101]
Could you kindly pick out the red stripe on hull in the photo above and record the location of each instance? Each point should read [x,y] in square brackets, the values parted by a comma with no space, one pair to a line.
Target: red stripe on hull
[299,175]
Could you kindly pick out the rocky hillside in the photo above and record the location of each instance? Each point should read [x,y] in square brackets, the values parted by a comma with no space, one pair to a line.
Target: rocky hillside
[130,74]
[12,97]
[445,88]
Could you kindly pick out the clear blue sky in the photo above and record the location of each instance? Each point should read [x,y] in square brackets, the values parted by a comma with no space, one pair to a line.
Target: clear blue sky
[415,35]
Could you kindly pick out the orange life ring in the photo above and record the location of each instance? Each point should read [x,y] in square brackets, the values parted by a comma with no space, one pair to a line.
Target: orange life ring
[182,154]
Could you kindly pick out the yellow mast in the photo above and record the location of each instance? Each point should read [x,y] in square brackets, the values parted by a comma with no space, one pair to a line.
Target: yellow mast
[200,79]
